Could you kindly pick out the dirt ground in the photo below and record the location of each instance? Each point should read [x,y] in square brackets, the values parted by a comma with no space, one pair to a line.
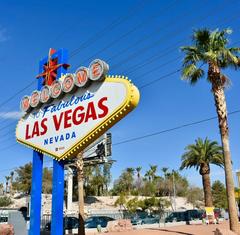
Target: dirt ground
[179,230]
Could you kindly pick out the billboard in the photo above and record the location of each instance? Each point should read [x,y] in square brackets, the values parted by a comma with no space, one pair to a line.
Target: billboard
[64,118]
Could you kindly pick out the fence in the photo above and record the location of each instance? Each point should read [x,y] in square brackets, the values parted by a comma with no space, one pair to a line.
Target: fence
[44,220]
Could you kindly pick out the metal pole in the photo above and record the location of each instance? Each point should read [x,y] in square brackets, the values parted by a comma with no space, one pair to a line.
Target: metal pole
[57,227]
[36,193]
[36,190]
[57,198]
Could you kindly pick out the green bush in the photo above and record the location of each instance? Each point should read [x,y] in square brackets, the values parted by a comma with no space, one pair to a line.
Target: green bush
[5,201]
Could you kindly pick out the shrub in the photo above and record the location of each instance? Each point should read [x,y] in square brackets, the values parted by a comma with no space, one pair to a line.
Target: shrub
[5,201]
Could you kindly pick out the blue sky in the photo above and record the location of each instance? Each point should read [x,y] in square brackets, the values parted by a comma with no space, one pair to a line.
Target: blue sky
[139,39]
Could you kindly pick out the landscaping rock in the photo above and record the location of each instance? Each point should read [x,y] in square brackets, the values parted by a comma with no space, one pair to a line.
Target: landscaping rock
[120,225]
[6,229]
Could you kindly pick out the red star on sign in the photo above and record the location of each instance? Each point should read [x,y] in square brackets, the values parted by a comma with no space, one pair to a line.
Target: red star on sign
[50,69]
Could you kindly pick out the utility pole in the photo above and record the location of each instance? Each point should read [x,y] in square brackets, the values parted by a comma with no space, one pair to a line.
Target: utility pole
[80,176]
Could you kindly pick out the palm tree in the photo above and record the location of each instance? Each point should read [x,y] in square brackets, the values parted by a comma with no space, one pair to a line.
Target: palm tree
[164,170]
[210,48]
[7,179]
[79,164]
[129,178]
[153,170]
[130,170]
[148,175]
[200,155]
[11,181]
[138,170]
[1,189]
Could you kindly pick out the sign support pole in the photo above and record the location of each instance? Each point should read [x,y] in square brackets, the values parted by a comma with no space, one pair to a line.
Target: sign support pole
[36,193]
[58,171]
[57,198]
[36,190]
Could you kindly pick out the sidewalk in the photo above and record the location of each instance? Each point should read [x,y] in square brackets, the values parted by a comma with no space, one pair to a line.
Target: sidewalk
[178,230]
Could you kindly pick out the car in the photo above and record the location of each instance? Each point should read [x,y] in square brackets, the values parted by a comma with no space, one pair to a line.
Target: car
[144,219]
[69,223]
[136,220]
[150,219]
[72,223]
[176,216]
[188,215]
[194,214]
[95,221]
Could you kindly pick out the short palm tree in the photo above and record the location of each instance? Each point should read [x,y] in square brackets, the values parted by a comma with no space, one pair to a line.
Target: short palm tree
[164,170]
[153,170]
[129,178]
[210,48]
[138,170]
[148,175]
[200,155]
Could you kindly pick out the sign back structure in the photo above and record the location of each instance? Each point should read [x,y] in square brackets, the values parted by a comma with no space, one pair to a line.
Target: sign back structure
[63,116]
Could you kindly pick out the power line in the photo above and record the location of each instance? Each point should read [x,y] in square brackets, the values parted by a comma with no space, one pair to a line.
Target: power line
[157,42]
[109,27]
[171,129]
[99,34]
[153,33]
[145,85]
[8,147]
[158,132]
[17,93]
[160,78]
[126,34]
[4,127]
[13,96]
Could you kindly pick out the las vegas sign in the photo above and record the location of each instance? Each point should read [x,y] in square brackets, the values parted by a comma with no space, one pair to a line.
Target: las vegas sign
[63,119]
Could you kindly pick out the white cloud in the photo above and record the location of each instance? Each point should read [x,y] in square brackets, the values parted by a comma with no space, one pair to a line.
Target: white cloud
[11,115]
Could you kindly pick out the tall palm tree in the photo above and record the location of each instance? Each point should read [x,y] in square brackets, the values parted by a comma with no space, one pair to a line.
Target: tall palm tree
[79,164]
[210,48]
[138,170]
[11,181]
[200,155]
[1,189]
[7,179]
[129,177]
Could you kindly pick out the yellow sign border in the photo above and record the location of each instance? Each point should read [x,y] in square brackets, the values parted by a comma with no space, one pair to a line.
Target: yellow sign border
[130,102]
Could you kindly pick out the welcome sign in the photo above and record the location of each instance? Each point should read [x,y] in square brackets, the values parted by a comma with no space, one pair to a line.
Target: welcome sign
[64,118]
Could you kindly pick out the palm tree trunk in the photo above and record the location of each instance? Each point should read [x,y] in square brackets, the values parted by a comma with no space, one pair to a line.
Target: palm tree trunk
[220,103]
[207,190]
[79,165]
